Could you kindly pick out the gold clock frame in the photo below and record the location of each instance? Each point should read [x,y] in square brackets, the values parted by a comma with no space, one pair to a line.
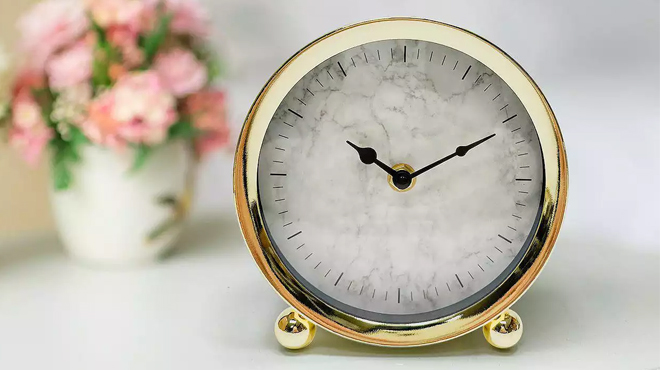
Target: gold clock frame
[248,206]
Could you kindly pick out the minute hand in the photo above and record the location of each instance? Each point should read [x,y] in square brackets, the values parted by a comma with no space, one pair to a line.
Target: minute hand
[460,151]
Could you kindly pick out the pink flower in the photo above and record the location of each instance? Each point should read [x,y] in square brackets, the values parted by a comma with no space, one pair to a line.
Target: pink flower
[128,13]
[29,133]
[49,26]
[189,17]
[127,41]
[181,72]
[138,109]
[71,67]
[207,112]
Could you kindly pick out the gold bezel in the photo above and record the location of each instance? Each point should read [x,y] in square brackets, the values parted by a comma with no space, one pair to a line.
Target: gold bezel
[410,334]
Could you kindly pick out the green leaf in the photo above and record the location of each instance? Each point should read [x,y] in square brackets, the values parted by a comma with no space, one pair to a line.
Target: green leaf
[183,130]
[141,154]
[61,178]
[153,41]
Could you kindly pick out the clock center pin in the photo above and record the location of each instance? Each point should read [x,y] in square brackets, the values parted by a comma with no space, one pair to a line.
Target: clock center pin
[403,181]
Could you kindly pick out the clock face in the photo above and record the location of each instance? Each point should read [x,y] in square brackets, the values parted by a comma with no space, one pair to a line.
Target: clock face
[400,181]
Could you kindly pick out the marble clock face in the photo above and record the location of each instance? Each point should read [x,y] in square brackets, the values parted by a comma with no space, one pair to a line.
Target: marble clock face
[453,221]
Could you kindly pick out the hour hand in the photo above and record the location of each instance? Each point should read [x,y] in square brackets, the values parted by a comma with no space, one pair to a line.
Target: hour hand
[369,156]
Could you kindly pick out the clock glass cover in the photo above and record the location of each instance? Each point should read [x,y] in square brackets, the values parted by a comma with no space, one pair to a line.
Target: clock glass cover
[401,181]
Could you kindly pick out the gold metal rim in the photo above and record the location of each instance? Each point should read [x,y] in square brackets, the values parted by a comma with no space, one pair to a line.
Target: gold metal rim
[410,334]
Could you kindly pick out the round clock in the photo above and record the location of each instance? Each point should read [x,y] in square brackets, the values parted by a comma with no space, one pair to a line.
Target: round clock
[400,182]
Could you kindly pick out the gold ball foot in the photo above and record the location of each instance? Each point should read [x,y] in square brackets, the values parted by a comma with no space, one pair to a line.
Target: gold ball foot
[504,331]
[293,331]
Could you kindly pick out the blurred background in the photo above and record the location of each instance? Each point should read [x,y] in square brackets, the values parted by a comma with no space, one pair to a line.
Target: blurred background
[598,63]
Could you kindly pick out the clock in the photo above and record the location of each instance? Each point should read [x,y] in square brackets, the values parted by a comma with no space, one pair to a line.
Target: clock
[400,182]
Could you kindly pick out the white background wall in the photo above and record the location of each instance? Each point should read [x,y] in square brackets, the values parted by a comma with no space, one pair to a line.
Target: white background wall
[597,62]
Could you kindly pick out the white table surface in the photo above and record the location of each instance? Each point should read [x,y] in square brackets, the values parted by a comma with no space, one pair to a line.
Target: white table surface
[207,306]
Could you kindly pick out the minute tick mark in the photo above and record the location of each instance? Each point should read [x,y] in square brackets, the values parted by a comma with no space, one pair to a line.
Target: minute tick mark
[319,82]
[310,92]
[496,96]
[443,60]
[405,48]
[455,65]
[330,75]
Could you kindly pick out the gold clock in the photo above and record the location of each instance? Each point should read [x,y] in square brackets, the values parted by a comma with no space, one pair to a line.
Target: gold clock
[400,182]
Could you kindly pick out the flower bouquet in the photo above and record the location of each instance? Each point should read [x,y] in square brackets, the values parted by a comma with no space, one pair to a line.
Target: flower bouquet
[107,82]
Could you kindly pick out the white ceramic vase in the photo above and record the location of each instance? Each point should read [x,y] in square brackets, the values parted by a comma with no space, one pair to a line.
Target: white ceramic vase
[112,215]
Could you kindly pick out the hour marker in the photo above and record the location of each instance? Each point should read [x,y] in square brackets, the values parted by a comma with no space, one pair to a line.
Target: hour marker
[339,278]
[342,68]
[398,298]
[319,82]
[294,112]
[507,240]
[309,255]
[512,228]
[431,57]
[510,118]
[459,280]
[466,72]
[523,179]
[310,92]
[487,87]
[279,200]
[491,260]
[330,75]
[496,96]
[286,137]
[516,129]
[301,102]
[278,174]
[455,65]
[326,274]
[288,124]
[516,216]
[443,60]
[469,273]
[317,265]
[352,62]
[499,250]
[405,51]
[287,224]
[504,106]
[294,235]
[482,269]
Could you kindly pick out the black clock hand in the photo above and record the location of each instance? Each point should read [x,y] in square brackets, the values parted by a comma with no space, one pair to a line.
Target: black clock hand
[460,151]
[369,156]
